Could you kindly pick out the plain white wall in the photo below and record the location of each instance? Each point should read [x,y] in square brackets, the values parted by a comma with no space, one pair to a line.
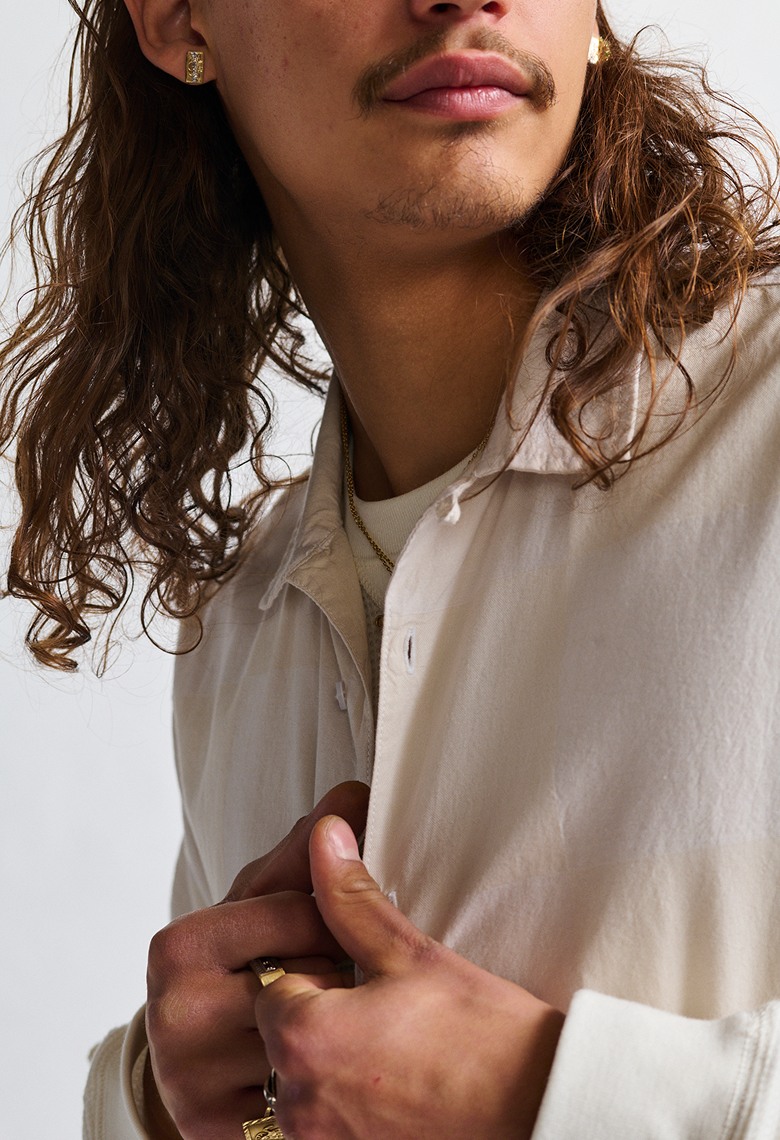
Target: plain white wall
[89,820]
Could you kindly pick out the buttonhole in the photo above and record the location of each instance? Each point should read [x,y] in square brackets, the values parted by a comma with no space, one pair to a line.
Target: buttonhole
[410,654]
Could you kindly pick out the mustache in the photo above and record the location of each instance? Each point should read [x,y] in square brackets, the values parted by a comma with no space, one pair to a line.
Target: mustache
[374,80]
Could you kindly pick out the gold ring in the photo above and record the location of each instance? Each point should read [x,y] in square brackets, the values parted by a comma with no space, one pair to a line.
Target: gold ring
[267,970]
[265,1129]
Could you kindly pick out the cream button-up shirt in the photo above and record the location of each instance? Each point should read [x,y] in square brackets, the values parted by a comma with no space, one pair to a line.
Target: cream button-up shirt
[575,768]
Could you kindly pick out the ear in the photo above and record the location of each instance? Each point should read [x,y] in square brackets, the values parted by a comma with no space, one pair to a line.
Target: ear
[165,34]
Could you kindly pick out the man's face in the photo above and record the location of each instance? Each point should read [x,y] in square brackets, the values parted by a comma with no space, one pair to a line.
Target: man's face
[431,115]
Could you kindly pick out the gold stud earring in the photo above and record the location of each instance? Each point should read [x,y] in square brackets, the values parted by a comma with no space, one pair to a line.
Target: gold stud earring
[194,68]
[600,50]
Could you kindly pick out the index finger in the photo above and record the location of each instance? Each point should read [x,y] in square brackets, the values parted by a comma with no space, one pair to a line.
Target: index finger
[286,868]
[226,937]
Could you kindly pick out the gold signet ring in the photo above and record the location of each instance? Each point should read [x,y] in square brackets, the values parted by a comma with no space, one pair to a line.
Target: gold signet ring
[267,970]
[265,1129]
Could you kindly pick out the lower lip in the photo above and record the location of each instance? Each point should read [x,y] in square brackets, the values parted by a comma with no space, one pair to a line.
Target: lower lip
[465,103]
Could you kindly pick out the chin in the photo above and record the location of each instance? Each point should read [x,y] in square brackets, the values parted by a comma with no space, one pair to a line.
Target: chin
[473,181]
[489,207]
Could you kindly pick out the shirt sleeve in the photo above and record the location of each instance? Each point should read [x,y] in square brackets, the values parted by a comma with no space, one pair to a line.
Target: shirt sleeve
[113,1098]
[623,1069]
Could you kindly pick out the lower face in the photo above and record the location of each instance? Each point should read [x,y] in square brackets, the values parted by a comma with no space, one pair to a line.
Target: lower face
[303,82]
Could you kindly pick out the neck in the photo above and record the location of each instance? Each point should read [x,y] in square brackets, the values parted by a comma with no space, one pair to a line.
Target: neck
[422,347]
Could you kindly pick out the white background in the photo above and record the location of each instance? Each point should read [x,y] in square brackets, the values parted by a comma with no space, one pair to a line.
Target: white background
[89,818]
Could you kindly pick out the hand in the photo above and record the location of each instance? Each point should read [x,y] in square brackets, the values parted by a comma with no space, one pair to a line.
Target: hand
[431,1045]
[208,1064]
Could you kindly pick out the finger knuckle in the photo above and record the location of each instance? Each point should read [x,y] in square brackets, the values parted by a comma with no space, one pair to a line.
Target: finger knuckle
[357,889]
[168,1017]
[170,949]
[295,1041]
[421,948]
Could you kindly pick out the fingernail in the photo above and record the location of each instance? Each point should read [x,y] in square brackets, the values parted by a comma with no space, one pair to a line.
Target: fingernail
[342,840]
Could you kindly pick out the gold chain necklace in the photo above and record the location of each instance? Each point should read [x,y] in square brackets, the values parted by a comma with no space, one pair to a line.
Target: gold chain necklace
[382,555]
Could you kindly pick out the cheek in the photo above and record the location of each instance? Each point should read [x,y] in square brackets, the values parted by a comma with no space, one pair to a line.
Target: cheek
[285,84]
[561,35]
[567,57]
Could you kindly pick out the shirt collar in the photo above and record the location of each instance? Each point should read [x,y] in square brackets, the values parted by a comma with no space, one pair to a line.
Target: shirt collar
[514,445]
[321,516]
[528,441]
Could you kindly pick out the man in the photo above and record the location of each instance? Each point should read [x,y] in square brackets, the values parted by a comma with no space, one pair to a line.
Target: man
[529,264]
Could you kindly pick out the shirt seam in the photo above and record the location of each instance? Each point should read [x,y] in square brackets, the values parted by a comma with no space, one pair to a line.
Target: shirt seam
[737,1120]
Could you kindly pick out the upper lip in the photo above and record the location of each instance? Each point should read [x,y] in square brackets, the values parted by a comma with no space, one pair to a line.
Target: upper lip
[459,70]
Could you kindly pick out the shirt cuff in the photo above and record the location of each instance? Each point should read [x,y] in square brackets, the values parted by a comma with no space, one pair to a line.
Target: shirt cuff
[113,1098]
[623,1069]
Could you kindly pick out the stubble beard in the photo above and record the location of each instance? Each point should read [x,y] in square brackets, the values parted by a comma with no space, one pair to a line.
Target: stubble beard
[487,200]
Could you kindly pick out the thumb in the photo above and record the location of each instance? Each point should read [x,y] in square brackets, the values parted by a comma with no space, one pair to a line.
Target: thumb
[373,932]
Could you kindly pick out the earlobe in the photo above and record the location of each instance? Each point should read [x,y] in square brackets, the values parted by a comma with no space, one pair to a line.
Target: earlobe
[169,41]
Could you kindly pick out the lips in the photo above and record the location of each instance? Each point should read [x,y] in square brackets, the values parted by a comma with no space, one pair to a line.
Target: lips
[458,71]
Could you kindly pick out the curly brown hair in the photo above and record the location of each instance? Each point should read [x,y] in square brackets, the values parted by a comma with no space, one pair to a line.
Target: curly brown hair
[130,384]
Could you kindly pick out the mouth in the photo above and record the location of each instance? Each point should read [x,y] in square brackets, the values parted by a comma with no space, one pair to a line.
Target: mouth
[463,85]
